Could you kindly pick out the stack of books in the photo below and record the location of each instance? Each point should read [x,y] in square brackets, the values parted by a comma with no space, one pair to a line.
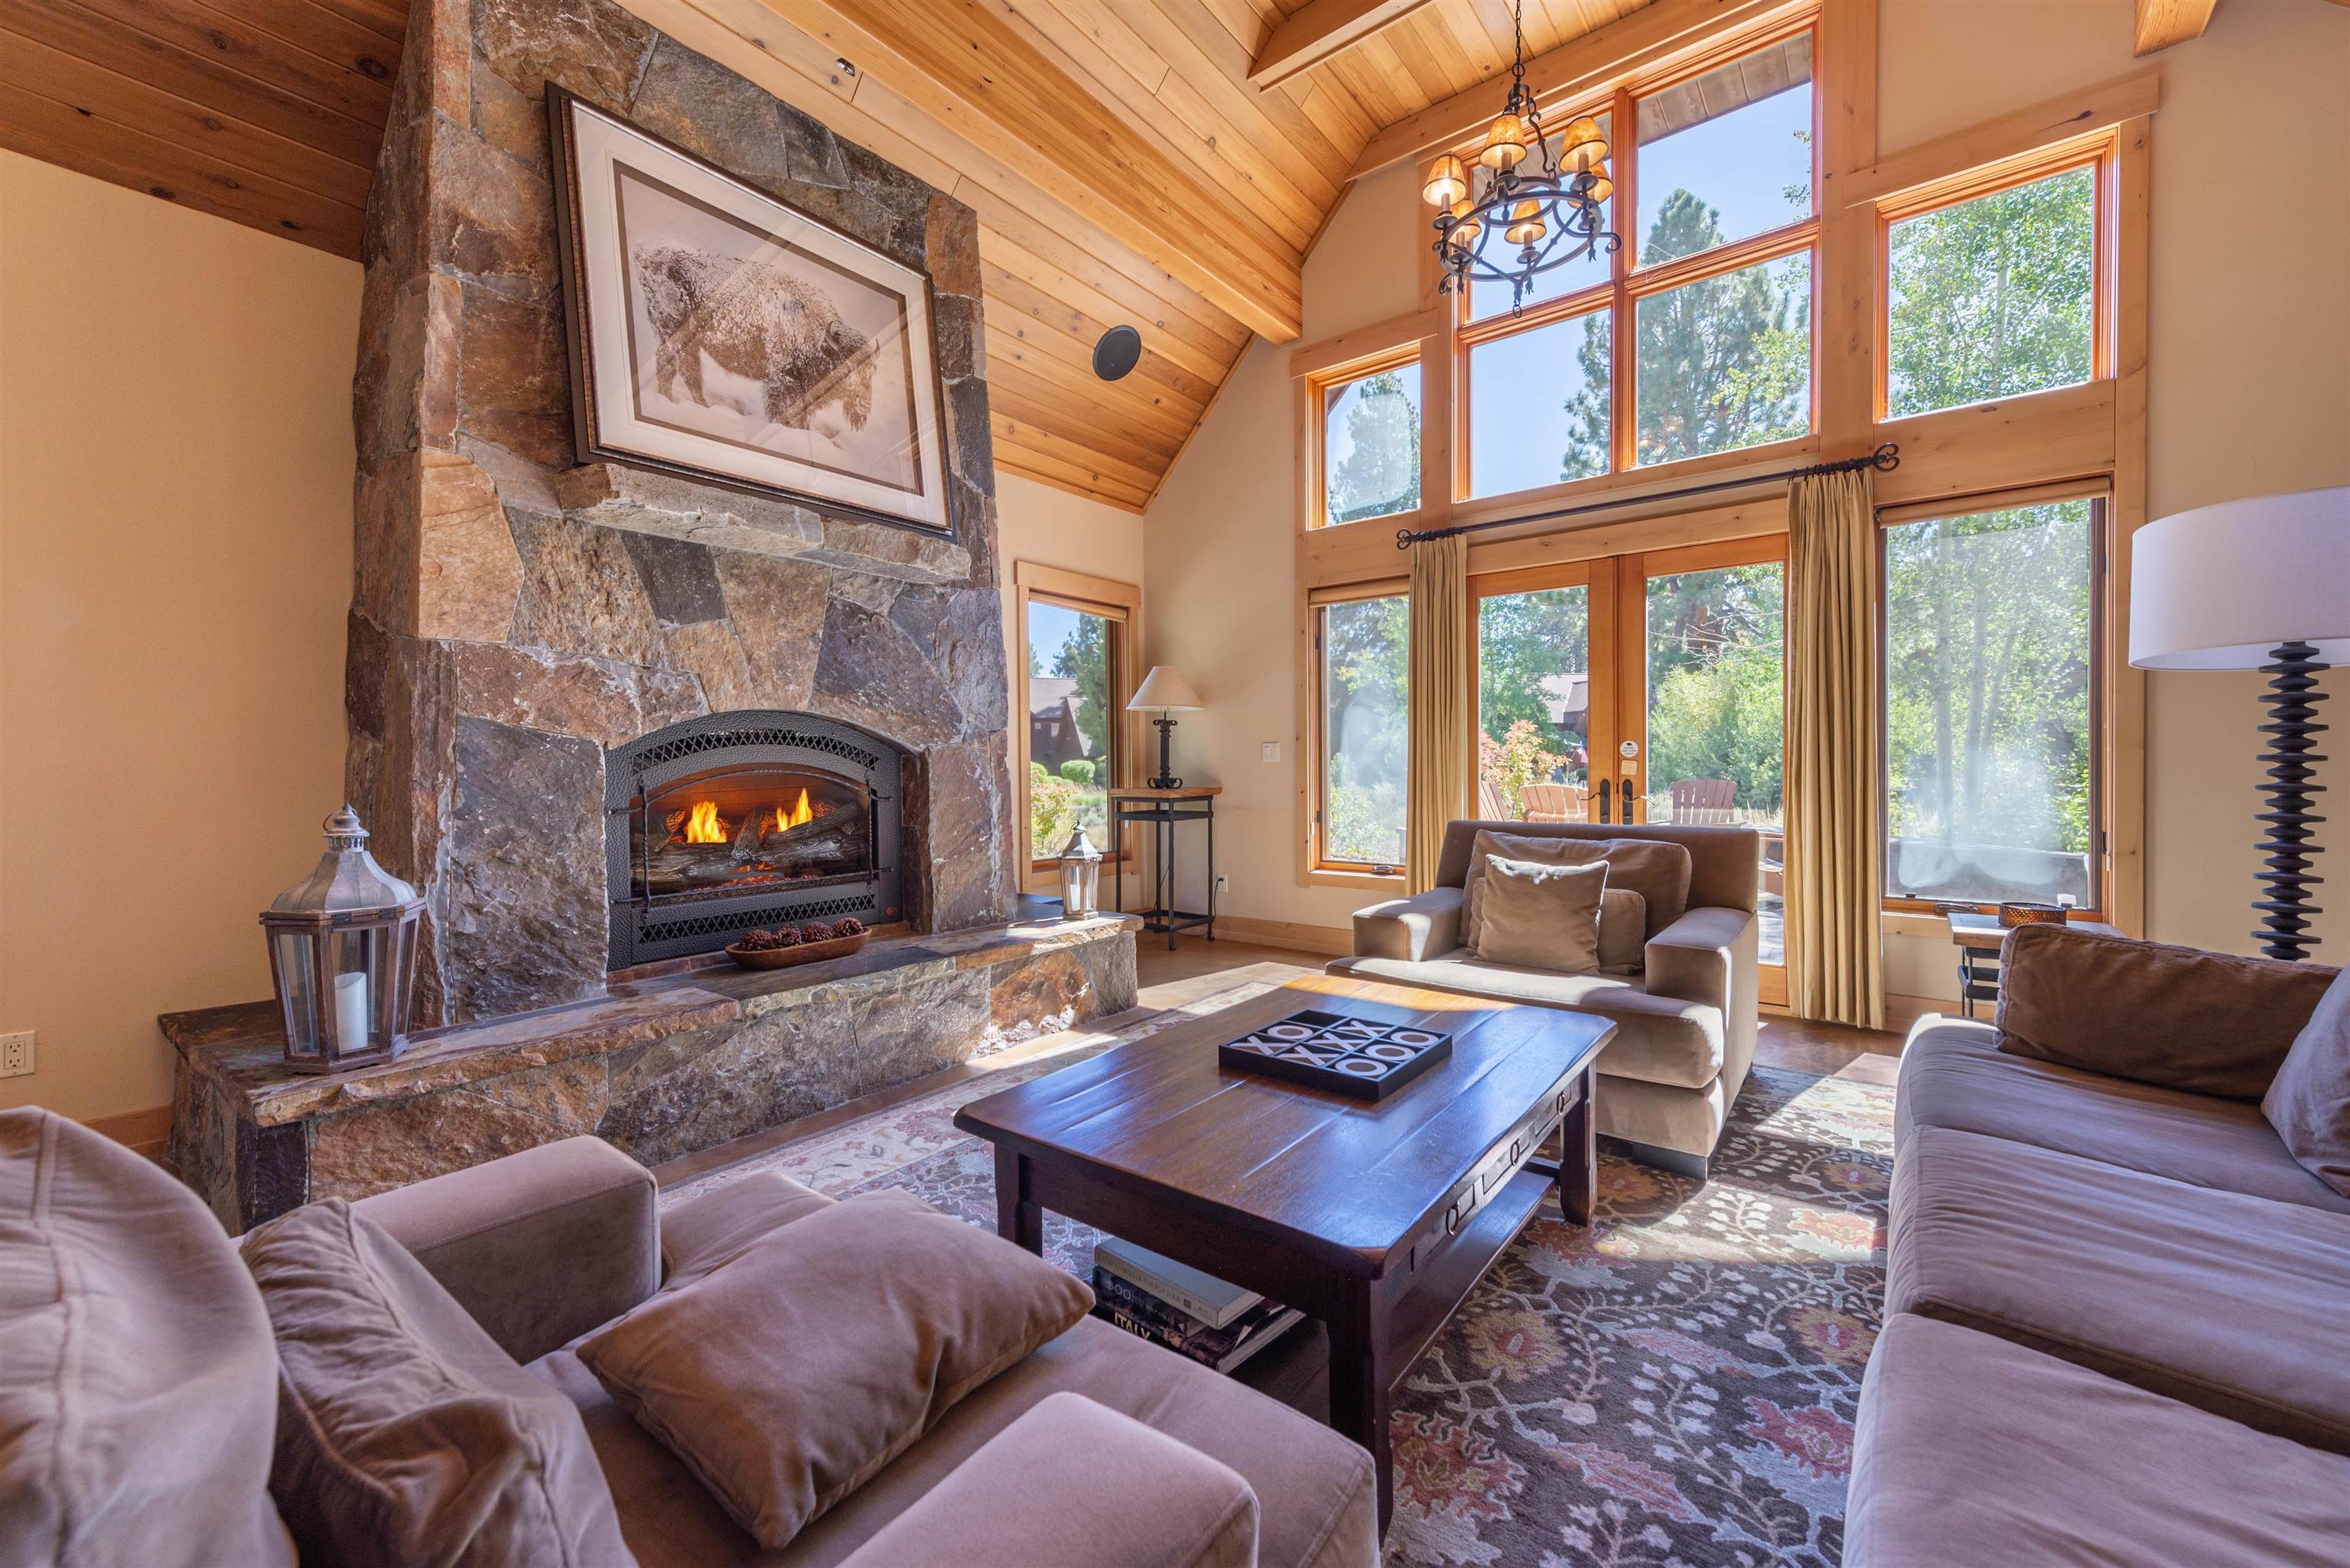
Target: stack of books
[1213,1321]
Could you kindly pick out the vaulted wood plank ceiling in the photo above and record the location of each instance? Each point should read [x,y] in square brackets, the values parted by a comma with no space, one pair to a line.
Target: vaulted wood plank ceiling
[1165,164]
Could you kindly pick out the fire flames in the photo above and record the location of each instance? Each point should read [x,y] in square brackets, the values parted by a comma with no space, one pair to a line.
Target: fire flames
[794,816]
[705,827]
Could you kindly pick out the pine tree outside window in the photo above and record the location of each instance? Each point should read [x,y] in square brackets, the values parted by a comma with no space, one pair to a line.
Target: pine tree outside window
[1370,445]
[1699,340]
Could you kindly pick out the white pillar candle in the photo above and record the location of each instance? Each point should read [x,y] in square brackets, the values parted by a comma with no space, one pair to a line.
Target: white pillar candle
[351,1010]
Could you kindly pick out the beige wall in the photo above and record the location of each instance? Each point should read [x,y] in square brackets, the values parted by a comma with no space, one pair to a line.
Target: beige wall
[2250,394]
[175,548]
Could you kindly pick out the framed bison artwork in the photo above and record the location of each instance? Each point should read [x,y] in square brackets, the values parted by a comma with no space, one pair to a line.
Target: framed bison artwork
[721,335]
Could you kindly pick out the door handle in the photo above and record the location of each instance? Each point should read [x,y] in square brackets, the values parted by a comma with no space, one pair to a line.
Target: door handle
[1607,791]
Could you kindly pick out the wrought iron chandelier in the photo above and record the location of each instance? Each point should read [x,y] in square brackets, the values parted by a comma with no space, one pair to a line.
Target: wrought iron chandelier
[1551,213]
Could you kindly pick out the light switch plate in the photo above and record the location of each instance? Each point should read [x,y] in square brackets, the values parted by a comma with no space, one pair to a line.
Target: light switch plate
[1269,750]
[15,1055]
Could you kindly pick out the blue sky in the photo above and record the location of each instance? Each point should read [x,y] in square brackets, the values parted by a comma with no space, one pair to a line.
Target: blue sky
[1739,164]
[1049,627]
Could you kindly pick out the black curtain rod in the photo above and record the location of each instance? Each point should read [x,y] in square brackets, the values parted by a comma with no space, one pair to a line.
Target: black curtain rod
[1884,460]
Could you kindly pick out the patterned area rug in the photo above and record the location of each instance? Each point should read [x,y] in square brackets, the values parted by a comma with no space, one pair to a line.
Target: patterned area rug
[1674,1388]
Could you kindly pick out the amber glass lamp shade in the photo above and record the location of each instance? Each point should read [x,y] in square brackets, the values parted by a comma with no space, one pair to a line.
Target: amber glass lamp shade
[1584,147]
[1505,143]
[1599,188]
[1526,223]
[1448,181]
[1464,228]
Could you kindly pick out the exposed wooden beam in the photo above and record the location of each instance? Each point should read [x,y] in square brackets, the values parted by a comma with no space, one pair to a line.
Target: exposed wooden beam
[2162,23]
[962,66]
[1650,37]
[1319,29]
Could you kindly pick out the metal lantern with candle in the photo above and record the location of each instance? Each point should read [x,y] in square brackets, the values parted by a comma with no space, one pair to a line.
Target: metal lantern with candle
[342,954]
[1080,877]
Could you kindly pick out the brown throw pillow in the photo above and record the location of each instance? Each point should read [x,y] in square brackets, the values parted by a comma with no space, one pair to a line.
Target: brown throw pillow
[2309,1101]
[787,1376]
[1542,917]
[2209,1023]
[1658,871]
[404,1433]
[1623,931]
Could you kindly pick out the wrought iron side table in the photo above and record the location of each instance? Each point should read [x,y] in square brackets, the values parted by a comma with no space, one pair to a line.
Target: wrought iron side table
[1157,811]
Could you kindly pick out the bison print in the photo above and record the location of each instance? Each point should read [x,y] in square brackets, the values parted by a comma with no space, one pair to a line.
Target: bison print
[758,321]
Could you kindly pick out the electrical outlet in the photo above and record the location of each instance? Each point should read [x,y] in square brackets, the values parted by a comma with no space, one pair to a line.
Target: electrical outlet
[1223,884]
[1269,750]
[15,1055]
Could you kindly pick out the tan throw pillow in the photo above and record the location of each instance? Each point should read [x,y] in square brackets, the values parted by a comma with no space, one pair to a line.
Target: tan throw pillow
[2309,1101]
[1542,917]
[404,1433]
[787,1376]
[1658,871]
[1623,931]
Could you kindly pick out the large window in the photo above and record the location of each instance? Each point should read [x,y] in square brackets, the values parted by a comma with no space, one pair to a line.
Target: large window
[1370,445]
[1710,296]
[1534,705]
[1992,296]
[1990,705]
[1359,821]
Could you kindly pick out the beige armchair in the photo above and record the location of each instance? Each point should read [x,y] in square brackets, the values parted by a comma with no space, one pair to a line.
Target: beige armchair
[1685,1022]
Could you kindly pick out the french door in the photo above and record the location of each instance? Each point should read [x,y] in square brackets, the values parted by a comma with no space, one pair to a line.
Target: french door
[1645,689]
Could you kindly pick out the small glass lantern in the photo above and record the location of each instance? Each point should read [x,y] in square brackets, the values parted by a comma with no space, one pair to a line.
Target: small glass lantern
[1080,877]
[342,954]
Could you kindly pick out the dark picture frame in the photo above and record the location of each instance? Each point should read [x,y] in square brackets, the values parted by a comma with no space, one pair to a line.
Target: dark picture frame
[852,424]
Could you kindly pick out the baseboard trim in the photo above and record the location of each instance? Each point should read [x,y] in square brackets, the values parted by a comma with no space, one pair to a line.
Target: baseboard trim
[1329,940]
[143,1132]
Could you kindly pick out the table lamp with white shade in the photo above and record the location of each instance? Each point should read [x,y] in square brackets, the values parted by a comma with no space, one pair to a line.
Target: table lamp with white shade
[1163,691]
[2263,584]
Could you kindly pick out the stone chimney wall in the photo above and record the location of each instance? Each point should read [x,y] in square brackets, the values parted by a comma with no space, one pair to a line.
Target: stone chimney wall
[514,614]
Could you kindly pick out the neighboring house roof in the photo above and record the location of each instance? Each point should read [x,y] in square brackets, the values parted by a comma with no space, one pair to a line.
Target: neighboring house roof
[1566,696]
[1048,695]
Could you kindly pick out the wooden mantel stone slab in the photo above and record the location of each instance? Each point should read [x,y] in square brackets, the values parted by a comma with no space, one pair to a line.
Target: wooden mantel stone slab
[660,1065]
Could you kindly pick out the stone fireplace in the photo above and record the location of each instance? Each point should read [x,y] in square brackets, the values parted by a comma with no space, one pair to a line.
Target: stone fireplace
[606,718]
[738,820]
[526,630]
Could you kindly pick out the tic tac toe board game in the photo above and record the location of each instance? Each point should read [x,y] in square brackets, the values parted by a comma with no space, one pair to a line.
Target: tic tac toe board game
[1356,1056]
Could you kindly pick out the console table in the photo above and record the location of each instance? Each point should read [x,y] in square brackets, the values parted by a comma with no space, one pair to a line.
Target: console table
[1979,939]
[1157,811]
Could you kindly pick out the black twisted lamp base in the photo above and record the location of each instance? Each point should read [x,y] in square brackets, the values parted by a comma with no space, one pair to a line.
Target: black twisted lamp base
[2292,699]
[1166,779]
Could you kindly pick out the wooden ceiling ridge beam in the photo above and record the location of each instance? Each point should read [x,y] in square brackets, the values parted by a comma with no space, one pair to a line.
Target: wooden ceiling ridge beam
[965,68]
[1319,29]
[2162,23]
[1654,36]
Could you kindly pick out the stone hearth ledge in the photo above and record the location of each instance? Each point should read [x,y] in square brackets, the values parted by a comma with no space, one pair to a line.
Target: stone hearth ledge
[661,1067]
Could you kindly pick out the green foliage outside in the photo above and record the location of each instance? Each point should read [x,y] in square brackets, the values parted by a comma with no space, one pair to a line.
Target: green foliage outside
[1380,474]
[1077,771]
[1523,640]
[1987,687]
[1363,653]
[1518,759]
[1992,297]
[1084,658]
[1717,690]
[1724,363]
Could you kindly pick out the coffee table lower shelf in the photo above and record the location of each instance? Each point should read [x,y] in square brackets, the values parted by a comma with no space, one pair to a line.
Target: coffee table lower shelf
[1295,1368]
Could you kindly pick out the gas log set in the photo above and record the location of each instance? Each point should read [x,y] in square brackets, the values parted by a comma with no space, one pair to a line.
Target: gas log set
[709,844]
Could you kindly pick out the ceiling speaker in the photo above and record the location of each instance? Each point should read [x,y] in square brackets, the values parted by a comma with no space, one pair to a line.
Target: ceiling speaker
[1117,352]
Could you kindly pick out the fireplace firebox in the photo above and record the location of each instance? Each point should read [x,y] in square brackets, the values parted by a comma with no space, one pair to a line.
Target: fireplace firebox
[743,819]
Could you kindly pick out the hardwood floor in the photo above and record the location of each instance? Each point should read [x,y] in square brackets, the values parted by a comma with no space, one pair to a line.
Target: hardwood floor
[1198,967]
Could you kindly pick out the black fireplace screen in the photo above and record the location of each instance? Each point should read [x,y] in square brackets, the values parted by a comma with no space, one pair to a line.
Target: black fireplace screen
[736,820]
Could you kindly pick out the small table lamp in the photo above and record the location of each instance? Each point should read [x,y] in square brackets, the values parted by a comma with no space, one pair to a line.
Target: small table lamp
[1166,691]
[2262,585]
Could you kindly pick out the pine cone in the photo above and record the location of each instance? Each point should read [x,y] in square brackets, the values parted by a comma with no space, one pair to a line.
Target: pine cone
[816,932]
[848,926]
[787,936]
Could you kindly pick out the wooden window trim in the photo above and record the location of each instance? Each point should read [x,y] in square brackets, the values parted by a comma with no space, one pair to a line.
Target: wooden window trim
[1317,868]
[1120,603]
[2098,153]
[1629,284]
[1321,374]
[2106,647]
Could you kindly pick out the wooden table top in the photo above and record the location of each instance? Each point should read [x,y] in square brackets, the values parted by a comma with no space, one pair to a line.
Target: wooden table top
[1985,934]
[1347,1180]
[1189,792]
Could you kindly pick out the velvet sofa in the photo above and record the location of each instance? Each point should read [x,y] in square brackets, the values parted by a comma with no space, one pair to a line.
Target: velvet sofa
[2115,1307]
[1685,1023]
[138,1401]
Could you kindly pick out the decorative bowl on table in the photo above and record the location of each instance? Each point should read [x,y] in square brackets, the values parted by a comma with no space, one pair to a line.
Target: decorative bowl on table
[787,945]
[2014,913]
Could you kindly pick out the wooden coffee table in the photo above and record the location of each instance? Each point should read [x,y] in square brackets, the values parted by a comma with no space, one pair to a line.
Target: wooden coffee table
[1377,1218]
